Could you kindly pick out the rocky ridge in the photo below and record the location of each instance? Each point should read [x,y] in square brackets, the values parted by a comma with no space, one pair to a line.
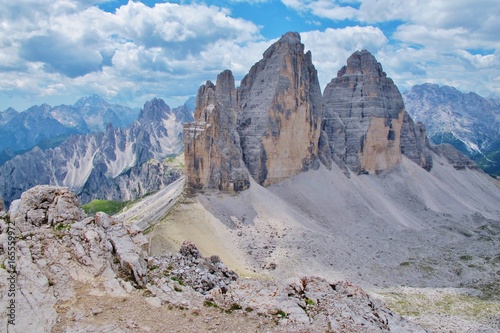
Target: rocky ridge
[65,259]
[286,126]
[45,125]
[467,121]
[117,164]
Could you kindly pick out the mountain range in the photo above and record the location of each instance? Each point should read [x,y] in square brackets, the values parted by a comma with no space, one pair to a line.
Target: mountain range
[467,121]
[46,126]
[117,163]
[301,193]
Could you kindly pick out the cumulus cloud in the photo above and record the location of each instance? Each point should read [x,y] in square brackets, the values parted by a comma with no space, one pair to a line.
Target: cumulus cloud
[331,47]
[136,51]
[432,41]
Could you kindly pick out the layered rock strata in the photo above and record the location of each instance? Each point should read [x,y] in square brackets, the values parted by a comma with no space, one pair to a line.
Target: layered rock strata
[270,125]
[365,119]
[279,114]
[284,126]
[211,143]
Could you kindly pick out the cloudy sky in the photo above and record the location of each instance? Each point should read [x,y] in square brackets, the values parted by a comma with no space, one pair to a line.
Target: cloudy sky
[56,51]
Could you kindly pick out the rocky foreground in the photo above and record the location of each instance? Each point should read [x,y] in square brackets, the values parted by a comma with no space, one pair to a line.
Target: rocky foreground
[93,274]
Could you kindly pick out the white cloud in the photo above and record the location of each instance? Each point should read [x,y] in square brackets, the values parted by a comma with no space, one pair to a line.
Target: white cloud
[439,41]
[332,47]
[71,47]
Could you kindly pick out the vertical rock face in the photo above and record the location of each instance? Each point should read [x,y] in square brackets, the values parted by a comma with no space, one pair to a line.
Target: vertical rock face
[365,119]
[414,143]
[211,144]
[279,112]
[277,124]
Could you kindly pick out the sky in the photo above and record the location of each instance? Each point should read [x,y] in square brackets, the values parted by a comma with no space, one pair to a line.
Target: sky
[56,51]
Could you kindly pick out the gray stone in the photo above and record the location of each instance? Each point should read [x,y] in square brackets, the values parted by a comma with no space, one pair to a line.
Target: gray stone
[458,160]
[366,122]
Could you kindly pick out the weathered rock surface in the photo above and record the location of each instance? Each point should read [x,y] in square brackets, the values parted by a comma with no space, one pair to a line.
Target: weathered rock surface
[211,144]
[414,142]
[279,112]
[56,253]
[270,125]
[61,263]
[365,119]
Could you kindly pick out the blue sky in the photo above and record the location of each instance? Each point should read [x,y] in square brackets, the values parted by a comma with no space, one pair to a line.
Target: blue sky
[56,51]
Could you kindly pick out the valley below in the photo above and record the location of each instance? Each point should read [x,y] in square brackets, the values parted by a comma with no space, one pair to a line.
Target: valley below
[419,249]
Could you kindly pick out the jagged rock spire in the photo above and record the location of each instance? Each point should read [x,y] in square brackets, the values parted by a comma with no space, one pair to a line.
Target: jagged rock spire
[211,144]
[279,115]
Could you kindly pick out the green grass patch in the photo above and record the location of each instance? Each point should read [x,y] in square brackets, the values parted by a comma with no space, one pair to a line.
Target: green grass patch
[210,304]
[106,206]
[464,306]
[310,302]
[178,280]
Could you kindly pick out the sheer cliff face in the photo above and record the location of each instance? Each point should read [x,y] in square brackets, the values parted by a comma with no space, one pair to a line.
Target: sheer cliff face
[279,112]
[365,119]
[269,126]
[211,144]
[277,124]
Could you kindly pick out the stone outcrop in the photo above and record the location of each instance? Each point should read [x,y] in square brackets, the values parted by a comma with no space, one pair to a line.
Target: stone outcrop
[279,112]
[414,142]
[365,119]
[211,144]
[45,205]
[58,249]
[458,160]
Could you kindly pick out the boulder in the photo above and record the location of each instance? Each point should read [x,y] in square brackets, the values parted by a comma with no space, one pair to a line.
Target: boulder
[45,205]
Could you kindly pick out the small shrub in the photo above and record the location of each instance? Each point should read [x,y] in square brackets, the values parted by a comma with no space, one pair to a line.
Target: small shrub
[281,314]
[178,280]
[210,304]
[310,302]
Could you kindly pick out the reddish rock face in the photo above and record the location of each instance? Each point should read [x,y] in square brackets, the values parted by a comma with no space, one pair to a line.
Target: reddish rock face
[279,114]
[211,144]
[269,126]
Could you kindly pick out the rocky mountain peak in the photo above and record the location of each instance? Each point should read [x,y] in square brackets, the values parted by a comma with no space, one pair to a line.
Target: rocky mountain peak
[94,100]
[362,62]
[365,120]
[288,40]
[211,144]
[154,110]
[284,126]
[279,112]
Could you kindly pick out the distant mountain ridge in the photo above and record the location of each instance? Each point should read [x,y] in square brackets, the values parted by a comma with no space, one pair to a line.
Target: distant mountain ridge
[118,163]
[48,126]
[467,121]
